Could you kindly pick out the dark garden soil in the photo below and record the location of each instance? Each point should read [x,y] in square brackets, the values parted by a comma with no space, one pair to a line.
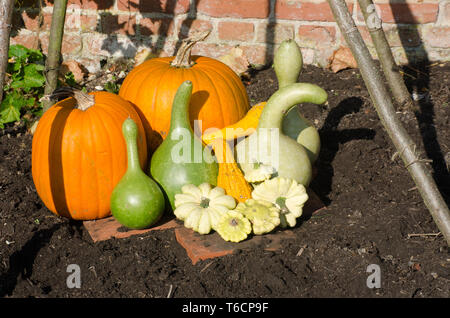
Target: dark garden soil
[374,215]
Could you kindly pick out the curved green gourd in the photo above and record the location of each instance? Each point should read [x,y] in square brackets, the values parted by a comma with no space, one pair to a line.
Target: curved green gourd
[137,201]
[287,64]
[181,158]
[288,157]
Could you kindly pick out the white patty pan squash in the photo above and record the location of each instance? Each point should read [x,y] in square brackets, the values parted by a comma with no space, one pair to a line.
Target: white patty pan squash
[263,215]
[202,207]
[257,172]
[286,194]
[234,227]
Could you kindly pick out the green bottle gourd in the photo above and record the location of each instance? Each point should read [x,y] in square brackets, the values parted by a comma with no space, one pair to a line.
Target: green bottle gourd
[288,63]
[181,158]
[137,201]
[288,157]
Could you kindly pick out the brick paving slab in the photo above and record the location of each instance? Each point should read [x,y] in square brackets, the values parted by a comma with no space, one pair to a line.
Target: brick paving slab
[108,228]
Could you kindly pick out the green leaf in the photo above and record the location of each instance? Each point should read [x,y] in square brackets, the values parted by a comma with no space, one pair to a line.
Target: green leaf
[33,76]
[35,55]
[14,99]
[9,114]
[30,101]
[69,78]
[18,51]
[17,84]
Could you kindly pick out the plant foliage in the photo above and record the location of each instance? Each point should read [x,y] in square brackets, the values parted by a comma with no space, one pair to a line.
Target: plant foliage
[24,84]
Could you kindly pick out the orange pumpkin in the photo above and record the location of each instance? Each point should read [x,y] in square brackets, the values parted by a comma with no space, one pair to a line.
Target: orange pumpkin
[218,99]
[79,153]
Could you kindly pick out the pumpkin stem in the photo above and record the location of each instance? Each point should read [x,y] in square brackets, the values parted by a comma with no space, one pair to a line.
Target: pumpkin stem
[83,100]
[183,57]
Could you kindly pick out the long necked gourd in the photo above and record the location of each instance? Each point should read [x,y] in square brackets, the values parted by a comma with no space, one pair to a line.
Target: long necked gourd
[137,201]
[270,146]
[287,64]
[181,158]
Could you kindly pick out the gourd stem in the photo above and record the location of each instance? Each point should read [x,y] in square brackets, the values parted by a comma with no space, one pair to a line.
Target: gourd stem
[83,100]
[286,98]
[180,108]
[183,56]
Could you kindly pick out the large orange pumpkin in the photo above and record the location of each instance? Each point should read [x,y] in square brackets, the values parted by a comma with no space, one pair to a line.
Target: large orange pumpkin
[79,153]
[218,99]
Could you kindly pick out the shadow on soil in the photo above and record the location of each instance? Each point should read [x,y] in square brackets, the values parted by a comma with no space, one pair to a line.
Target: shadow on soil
[21,262]
[334,138]
[417,80]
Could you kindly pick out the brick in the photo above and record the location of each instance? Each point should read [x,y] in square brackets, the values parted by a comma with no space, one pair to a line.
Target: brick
[236,31]
[407,36]
[402,36]
[108,228]
[30,41]
[414,13]
[211,49]
[189,26]
[98,44]
[437,37]
[71,43]
[444,13]
[202,247]
[29,20]
[86,4]
[78,70]
[313,35]
[234,8]
[305,11]
[274,33]
[150,26]
[257,54]
[118,24]
[91,64]
[160,6]
[88,22]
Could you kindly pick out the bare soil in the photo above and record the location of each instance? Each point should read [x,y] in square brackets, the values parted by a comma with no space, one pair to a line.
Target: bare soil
[374,215]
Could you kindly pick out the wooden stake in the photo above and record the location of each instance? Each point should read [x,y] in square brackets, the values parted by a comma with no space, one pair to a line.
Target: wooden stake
[53,61]
[390,68]
[6,10]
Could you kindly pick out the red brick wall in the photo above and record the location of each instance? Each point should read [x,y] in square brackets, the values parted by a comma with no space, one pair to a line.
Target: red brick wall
[96,29]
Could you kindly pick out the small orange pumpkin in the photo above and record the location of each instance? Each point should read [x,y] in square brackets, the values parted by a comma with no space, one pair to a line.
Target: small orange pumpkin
[219,98]
[79,154]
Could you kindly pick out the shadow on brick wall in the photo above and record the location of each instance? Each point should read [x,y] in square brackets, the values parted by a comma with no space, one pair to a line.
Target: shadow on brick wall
[151,31]
[418,82]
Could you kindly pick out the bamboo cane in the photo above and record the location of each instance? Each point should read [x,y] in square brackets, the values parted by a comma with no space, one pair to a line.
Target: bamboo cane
[405,146]
[384,53]
[53,61]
